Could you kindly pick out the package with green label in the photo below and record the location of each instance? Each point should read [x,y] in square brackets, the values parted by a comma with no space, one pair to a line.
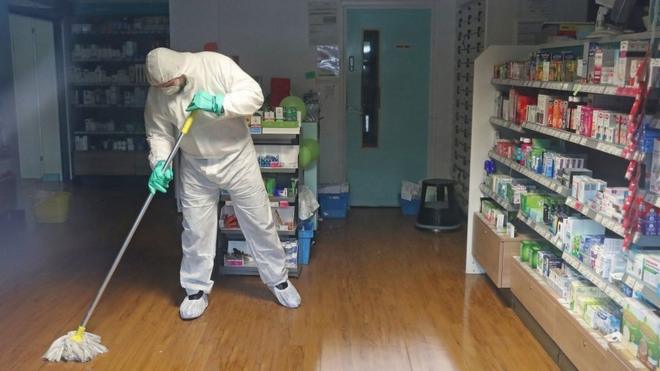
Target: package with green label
[648,351]
[583,288]
[525,250]
[634,314]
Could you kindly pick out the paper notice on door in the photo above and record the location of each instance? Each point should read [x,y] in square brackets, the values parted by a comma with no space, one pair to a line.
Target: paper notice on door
[322,23]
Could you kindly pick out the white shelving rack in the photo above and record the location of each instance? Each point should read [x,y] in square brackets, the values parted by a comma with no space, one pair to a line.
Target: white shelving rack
[484,92]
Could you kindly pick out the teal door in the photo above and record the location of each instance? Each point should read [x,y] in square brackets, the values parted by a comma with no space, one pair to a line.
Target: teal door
[387,90]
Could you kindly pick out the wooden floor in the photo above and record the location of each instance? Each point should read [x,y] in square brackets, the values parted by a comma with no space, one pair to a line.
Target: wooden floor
[378,295]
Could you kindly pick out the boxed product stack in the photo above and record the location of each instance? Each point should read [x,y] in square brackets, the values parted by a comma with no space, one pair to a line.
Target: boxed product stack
[596,64]
[609,202]
[585,188]
[508,188]
[494,214]
[641,329]
[584,299]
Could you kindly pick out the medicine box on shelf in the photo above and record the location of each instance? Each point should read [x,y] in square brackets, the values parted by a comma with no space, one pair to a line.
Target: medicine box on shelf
[274,156]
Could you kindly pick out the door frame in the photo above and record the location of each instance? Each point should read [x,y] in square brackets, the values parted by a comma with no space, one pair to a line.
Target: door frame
[57,17]
[434,112]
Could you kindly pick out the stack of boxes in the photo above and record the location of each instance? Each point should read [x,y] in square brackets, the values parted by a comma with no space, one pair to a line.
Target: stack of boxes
[598,64]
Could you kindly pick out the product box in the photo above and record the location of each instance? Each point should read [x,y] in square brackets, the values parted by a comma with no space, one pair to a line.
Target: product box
[575,227]
[654,182]
[603,59]
[545,64]
[651,270]
[634,313]
[570,65]
[555,72]
[589,53]
[631,52]
[607,320]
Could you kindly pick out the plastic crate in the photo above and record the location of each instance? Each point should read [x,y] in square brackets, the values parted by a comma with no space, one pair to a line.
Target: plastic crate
[410,207]
[334,205]
[304,245]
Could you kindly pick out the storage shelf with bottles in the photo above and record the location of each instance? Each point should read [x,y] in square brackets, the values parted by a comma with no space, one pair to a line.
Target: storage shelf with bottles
[107,84]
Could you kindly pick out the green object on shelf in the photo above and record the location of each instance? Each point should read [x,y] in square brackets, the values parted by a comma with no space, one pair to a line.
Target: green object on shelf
[534,256]
[309,152]
[295,102]
[270,185]
[279,124]
[525,250]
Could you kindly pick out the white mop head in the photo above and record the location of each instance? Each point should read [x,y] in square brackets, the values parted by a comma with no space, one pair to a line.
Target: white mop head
[76,346]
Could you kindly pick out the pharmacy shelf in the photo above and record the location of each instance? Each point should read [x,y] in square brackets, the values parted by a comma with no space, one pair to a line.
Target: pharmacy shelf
[599,145]
[542,230]
[107,60]
[626,359]
[647,291]
[646,241]
[109,83]
[107,106]
[573,87]
[122,33]
[600,339]
[502,202]
[608,288]
[279,170]
[253,271]
[587,211]
[538,178]
[506,124]
[109,151]
[237,232]
[105,133]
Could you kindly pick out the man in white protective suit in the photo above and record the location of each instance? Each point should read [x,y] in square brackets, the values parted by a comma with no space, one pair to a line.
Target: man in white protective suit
[218,153]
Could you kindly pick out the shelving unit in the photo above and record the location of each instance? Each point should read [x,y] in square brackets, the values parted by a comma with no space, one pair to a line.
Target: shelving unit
[590,213]
[283,137]
[538,178]
[485,88]
[569,87]
[500,201]
[107,90]
[599,145]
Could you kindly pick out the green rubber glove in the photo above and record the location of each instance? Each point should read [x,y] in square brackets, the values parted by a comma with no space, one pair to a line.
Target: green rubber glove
[207,102]
[160,178]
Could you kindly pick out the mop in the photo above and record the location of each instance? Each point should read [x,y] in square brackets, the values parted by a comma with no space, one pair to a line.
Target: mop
[80,345]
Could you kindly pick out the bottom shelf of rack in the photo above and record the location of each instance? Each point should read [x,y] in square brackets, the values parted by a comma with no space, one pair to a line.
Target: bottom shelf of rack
[252,271]
[111,163]
[586,348]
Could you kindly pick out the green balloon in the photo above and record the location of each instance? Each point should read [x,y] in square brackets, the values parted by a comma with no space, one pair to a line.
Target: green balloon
[309,152]
[295,102]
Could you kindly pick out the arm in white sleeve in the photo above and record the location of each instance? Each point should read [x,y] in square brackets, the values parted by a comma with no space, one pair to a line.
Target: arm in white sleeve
[159,132]
[243,95]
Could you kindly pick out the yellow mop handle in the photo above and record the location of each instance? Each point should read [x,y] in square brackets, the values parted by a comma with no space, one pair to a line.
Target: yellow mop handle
[187,124]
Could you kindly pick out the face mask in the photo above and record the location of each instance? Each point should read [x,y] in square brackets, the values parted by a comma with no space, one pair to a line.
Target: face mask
[171,90]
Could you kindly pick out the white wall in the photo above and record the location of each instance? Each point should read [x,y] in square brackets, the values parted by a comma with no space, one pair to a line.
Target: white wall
[271,40]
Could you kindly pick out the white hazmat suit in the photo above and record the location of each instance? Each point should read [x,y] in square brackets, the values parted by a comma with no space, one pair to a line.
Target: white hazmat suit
[218,153]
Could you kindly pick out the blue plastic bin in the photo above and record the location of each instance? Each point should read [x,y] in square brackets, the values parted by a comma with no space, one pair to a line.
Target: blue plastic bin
[304,245]
[334,205]
[410,207]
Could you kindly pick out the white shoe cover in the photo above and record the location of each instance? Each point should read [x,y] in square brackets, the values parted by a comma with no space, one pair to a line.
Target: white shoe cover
[288,297]
[191,309]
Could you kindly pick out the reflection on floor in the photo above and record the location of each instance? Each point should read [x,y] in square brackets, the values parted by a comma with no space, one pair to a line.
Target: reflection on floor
[378,295]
